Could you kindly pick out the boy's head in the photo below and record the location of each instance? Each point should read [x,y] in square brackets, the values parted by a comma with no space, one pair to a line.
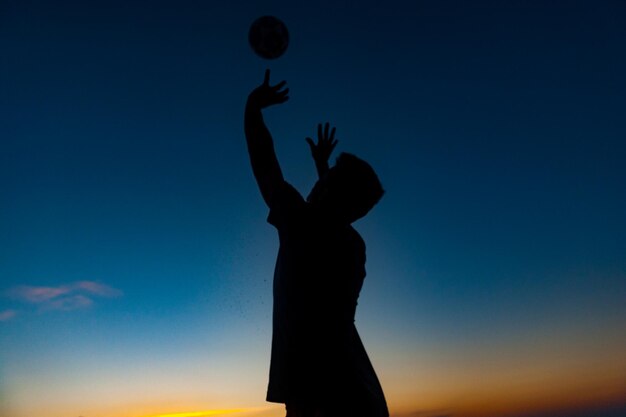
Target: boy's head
[349,190]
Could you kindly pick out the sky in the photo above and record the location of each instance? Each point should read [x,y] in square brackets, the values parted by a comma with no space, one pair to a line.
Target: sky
[135,257]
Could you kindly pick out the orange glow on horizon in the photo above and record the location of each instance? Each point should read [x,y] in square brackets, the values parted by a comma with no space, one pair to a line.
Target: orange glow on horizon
[201,413]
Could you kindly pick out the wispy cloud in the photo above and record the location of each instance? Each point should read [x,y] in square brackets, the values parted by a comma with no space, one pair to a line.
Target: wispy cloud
[77,295]
[7,315]
[96,288]
[72,302]
[37,294]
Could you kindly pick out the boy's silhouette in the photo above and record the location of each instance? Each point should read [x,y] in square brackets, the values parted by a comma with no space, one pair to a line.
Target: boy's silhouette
[319,367]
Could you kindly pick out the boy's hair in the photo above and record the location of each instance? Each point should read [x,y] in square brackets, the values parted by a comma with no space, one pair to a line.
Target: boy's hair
[359,183]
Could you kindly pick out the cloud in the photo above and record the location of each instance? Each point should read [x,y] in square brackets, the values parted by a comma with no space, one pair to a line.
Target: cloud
[78,295]
[7,315]
[72,302]
[37,294]
[97,289]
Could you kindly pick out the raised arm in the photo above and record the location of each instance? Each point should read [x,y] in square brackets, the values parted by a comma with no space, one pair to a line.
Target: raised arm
[323,149]
[260,145]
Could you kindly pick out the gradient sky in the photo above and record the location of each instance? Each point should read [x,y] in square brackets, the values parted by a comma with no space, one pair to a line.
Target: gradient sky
[135,260]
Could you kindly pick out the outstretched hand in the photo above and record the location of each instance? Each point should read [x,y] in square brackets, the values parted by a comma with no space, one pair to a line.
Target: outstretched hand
[324,147]
[266,95]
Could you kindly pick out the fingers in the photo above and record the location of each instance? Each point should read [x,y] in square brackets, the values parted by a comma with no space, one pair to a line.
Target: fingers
[266,80]
[323,133]
[326,142]
[279,85]
[333,141]
[281,97]
[277,97]
[283,94]
[311,143]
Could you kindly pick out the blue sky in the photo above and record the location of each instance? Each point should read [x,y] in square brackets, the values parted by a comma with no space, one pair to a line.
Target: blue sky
[496,128]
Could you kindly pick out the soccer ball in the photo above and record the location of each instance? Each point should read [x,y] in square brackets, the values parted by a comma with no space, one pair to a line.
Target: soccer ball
[268,37]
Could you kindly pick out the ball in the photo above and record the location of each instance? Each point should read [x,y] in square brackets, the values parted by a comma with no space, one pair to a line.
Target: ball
[268,37]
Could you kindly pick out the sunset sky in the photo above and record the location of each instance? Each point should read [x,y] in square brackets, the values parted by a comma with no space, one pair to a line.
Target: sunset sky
[135,256]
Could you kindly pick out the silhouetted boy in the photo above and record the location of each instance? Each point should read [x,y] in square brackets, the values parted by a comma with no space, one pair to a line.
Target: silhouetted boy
[319,367]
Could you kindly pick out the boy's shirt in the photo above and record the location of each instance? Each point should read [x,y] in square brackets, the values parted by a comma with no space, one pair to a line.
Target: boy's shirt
[317,355]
